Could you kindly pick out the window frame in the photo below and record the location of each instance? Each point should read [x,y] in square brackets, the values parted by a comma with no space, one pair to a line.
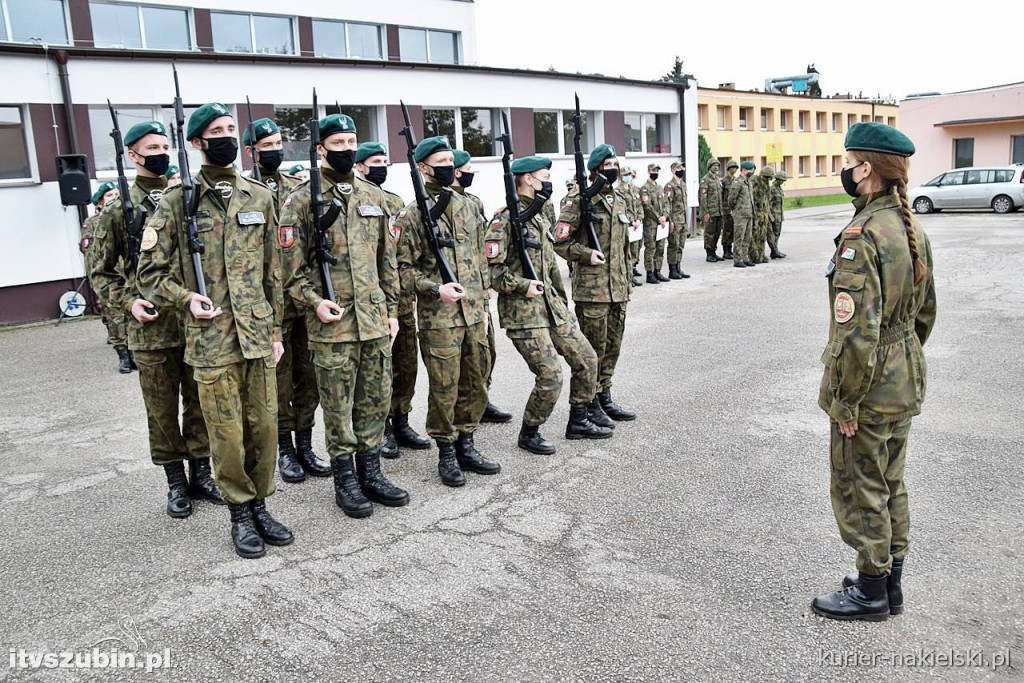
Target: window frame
[644,151]
[381,39]
[457,38]
[30,150]
[1013,141]
[956,153]
[459,139]
[156,113]
[559,142]
[6,19]
[837,122]
[292,22]
[190,25]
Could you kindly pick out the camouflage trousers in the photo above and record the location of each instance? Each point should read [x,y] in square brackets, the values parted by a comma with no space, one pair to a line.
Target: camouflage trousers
[111,317]
[163,377]
[603,325]
[457,361]
[758,235]
[492,345]
[869,498]
[712,231]
[634,252]
[540,348]
[355,393]
[741,238]
[240,406]
[405,365]
[654,250]
[727,231]
[676,244]
[773,234]
[297,396]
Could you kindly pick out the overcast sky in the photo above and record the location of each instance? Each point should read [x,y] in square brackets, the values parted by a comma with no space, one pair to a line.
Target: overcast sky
[920,46]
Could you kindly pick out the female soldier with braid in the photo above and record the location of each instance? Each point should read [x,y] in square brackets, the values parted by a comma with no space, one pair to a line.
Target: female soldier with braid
[883,308]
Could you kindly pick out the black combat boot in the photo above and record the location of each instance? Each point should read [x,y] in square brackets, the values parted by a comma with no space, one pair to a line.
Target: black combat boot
[308,460]
[636,272]
[124,361]
[406,436]
[739,264]
[674,273]
[596,414]
[179,503]
[495,415]
[893,586]
[388,445]
[531,440]
[636,282]
[661,278]
[248,542]
[776,254]
[374,484]
[202,486]
[131,359]
[269,529]
[469,457]
[727,253]
[652,279]
[712,257]
[865,600]
[750,264]
[682,273]
[448,465]
[581,427]
[612,409]
[347,494]
[287,460]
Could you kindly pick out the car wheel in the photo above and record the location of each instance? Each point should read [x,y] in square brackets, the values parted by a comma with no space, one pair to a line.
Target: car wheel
[1002,204]
[922,205]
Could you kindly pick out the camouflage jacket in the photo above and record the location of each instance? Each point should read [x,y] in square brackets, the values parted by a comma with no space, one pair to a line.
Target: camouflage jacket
[675,202]
[711,195]
[653,199]
[727,182]
[461,223]
[119,286]
[515,310]
[365,278]
[241,264]
[631,195]
[777,195]
[875,369]
[394,204]
[282,185]
[549,212]
[88,234]
[740,202]
[760,193]
[610,281]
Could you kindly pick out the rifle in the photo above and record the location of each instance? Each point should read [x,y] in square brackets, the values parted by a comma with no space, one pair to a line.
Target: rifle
[252,141]
[428,210]
[588,217]
[322,219]
[518,219]
[189,196]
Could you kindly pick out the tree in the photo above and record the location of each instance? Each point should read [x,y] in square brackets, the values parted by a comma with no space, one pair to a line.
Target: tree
[676,73]
[703,154]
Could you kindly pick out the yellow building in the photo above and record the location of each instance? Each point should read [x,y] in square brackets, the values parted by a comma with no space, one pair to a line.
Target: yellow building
[741,125]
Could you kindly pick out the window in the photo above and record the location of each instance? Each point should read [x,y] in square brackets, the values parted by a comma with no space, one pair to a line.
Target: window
[26,21]
[723,117]
[365,118]
[294,125]
[963,152]
[955,178]
[804,120]
[785,119]
[851,119]
[569,131]
[100,127]
[802,168]
[819,165]
[879,119]
[659,138]
[427,45]
[865,118]
[478,126]
[819,121]
[837,164]
[256,33]
[545,132]
[745,114]
[1004,176]
[764,161]
[1017,149]
[347,40]
[787,164]
[891,121]
[979,177]
[14,159]
[364,41]
[837,123]
[634,139]
[702,116]
[766,119]
[440,122]
[132,26]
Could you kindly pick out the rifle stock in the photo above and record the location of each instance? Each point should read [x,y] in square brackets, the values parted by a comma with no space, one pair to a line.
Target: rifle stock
[588,217]
[322,219]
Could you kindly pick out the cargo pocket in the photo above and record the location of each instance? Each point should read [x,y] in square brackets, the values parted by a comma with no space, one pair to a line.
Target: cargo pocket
[263,322]
[216,394]
[269,382]
[841,447]
[377,297]
[830,359]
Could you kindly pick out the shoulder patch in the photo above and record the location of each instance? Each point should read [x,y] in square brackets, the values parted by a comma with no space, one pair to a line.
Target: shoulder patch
[843,307]
[286,236]
[493,249]
[562,231]
[853,231]
[149,238]
[394,228]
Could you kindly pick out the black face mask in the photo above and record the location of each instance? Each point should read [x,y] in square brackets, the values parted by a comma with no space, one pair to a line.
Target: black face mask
[444,175]
[377,174]
[546,190]
[680,174]
[654,176]
[156,163]
[270,159]
[849,184]
[612,174]
[466,179]
[221,151]
[342,161]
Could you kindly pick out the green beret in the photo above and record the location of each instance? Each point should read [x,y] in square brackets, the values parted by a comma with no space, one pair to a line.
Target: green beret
[172,171]
[297,168]
[336,123]
[878,137]
[141,130]
[461,158]
[597,157]
[201,118]
[747,166]
[370,149]
[430,145]
[102,190]
[264,127]
[530,164]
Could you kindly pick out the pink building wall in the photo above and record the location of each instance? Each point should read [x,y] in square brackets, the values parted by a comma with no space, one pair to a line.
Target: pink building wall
[992,141]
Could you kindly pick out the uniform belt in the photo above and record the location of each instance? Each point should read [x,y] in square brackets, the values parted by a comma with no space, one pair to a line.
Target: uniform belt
[895,333]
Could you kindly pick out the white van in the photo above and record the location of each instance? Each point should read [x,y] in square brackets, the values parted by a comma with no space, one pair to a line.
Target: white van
[1000,188]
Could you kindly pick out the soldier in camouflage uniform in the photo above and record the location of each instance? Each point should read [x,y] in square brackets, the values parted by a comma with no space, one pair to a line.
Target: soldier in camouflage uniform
[711,209]
[741,208]
[463,179]
[232,335]
[728,225]
[110,315]
[156,339]
[372,165]
[882,295]
[173,175]
[760,190]
[655,215]
[350,336]
[297,396]
[600,281]
[451,316]
[535,315]
[777,196]
[675,205]
[635,212]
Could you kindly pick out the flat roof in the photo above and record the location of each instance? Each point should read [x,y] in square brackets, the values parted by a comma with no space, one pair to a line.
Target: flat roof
[791,97]
[979,122]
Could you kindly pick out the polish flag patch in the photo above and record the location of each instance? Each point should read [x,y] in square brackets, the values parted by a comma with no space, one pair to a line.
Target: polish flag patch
[493,249]
[286,235]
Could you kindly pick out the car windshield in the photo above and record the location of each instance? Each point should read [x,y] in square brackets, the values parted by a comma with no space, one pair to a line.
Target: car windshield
[935,180]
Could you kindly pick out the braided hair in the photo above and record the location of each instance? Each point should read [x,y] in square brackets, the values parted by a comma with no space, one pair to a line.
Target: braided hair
[892,172]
